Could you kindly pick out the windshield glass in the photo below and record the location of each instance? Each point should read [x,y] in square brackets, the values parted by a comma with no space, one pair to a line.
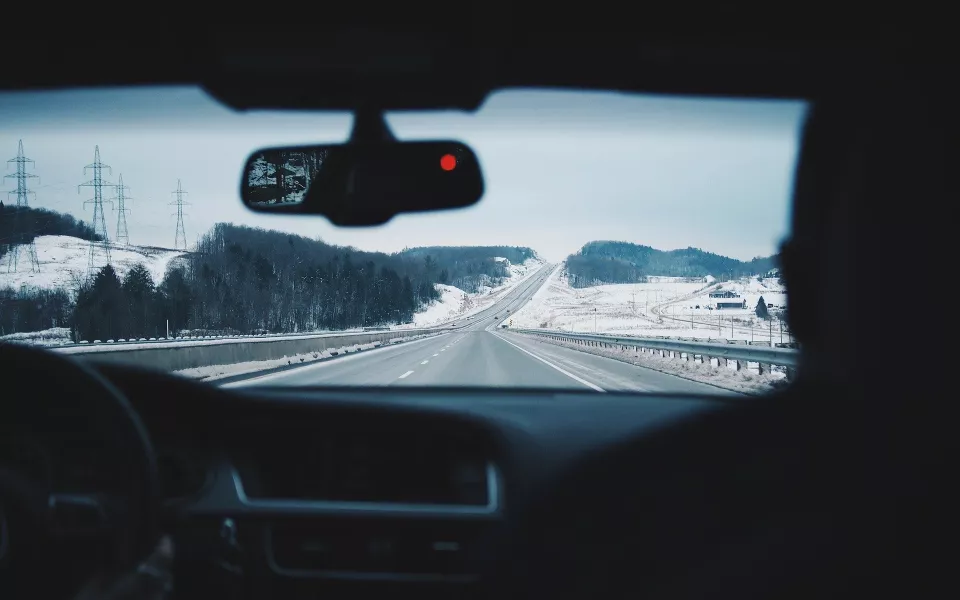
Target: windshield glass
[615,231]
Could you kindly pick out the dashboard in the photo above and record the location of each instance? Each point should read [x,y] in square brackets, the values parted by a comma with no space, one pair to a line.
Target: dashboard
[295,492]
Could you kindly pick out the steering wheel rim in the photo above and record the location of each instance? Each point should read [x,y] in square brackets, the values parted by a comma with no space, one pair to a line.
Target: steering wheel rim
[49,384]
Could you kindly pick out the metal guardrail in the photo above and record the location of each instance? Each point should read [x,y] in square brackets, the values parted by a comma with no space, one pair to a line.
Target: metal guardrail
[177,355]
[785,357]
[123,345]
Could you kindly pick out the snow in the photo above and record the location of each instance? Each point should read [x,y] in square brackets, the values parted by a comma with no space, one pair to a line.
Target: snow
[48,337]
[444,309]
[63,263]
[664,306]
[454,303]
[214,372]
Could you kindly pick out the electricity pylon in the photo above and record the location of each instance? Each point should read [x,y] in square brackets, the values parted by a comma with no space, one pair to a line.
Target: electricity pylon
[180,239]
[99,247]
[23,194]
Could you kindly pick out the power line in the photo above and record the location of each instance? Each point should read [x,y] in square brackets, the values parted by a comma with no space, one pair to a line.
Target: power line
[180,239]
[101,247]
[122,236]
[23,194]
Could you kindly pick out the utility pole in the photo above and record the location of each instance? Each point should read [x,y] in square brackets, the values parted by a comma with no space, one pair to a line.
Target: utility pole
[101,247]
[180,239]
[595,320]
[122,236]
[22,194]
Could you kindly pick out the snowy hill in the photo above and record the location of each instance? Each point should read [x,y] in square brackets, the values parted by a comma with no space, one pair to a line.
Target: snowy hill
[63,262]
[455,303]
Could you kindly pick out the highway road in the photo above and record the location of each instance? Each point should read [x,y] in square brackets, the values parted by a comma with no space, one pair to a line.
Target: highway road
[481,354]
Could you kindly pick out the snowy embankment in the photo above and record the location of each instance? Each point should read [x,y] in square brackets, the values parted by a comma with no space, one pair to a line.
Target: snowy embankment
[216,372]
[664,306]
[455,304]
[63,262]
[56,336]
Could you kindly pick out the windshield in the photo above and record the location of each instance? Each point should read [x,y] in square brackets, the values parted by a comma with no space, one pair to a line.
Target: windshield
[621,239]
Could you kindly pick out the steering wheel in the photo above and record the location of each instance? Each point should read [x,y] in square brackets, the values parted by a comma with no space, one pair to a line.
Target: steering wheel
[51,527]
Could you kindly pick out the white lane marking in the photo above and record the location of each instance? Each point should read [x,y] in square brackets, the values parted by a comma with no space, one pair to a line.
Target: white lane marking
[425,362]
[327,363]
[405,375]
[442,349]
[550,364]
[437,354]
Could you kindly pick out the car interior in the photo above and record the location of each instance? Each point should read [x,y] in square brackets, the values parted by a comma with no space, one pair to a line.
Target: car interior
[836,486]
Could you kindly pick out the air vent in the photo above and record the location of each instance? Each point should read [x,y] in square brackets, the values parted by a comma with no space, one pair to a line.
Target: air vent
[392,467]
[401,550]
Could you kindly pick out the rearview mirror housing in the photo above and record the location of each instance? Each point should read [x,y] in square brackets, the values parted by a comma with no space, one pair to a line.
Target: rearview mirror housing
[362,183]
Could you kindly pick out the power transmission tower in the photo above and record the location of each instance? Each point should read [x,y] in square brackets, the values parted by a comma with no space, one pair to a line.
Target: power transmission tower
[23,194]
[180,240]
[101,247]
[122,236]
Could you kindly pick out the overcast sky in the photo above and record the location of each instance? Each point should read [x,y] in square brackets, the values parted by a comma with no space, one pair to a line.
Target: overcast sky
[561,168]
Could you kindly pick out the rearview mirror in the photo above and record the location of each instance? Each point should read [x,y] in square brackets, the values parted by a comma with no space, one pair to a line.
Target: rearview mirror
[364,183]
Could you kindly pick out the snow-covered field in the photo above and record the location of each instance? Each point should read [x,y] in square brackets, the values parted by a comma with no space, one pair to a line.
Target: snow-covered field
[455,303]
[665,306]
[63,262]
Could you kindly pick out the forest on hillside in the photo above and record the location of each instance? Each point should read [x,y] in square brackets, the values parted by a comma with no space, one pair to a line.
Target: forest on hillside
[468,267]
[21,224]
[250,280]
[605,262]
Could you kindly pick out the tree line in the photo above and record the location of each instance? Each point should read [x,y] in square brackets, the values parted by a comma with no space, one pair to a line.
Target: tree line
[21,224]
[468,267]
[250,280]
[35,310]
[603,262]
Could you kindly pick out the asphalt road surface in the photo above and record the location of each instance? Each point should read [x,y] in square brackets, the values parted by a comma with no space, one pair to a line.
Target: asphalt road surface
[483,355]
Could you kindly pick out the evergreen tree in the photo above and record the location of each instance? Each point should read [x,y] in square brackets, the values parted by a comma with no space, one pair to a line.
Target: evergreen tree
[177,299]
[761,309]
[142,303]
[101,309]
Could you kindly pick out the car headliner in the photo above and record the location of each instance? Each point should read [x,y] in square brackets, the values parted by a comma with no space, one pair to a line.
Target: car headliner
[448,65]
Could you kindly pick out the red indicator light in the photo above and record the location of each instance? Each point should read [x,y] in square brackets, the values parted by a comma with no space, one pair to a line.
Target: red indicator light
[448,162]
